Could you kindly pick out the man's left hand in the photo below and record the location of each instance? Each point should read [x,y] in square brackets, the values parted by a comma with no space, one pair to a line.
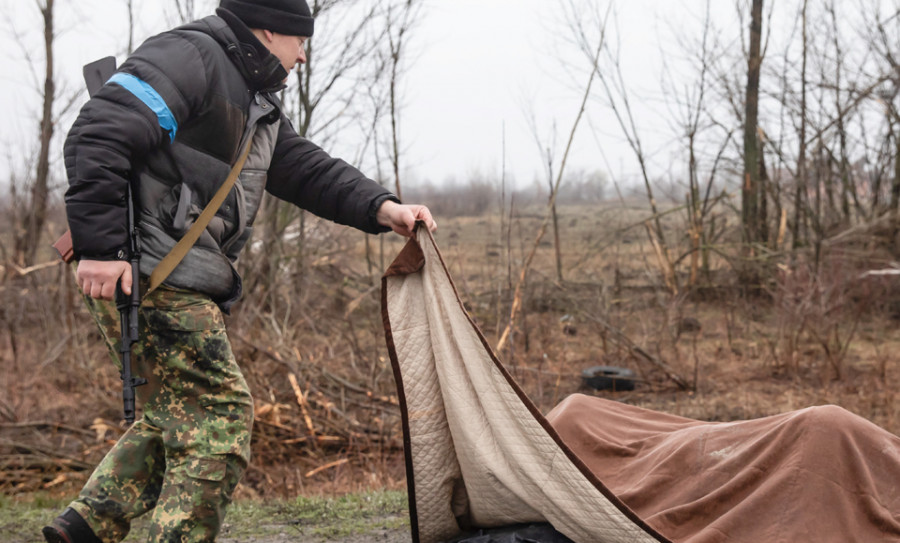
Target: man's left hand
[401,218]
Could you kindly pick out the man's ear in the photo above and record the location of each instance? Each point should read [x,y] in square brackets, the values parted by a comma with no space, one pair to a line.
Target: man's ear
[269,35]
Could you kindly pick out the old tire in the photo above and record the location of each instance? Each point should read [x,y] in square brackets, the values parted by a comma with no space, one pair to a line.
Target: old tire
[609,378]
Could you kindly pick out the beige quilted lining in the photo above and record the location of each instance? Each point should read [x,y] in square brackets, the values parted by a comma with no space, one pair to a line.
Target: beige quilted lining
[479,454]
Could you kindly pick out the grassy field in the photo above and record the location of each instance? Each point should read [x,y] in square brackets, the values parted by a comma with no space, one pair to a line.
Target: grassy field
[352,518]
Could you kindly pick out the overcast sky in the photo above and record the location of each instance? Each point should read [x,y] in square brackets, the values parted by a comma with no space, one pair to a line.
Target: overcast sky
[481,68]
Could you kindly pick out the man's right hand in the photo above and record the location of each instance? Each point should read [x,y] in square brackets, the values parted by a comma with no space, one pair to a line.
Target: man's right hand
[98,278]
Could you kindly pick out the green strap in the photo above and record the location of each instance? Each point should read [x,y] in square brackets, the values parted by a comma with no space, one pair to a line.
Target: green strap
[177,254]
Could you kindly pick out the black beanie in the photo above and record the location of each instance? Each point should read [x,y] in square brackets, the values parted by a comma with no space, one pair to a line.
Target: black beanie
[289,17]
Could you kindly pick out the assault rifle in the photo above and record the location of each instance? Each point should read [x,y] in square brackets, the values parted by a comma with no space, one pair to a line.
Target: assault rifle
[95,75]
[128,305]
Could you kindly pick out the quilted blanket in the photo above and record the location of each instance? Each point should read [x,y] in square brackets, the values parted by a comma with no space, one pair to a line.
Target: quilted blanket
[479,454]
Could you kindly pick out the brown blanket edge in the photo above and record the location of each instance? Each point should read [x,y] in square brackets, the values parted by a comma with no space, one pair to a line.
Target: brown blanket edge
[411,260]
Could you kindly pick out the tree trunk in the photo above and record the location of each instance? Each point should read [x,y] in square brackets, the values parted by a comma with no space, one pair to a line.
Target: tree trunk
[33,223]
[397,43]
[695,218]
[800,181]
[556,243]
[395,145]
[895,185]
[848,190]
[763,201]
[751,192]
[555,221]
[129,6]
[895,191]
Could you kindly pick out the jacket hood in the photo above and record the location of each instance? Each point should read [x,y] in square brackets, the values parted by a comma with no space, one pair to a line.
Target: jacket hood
[261,69]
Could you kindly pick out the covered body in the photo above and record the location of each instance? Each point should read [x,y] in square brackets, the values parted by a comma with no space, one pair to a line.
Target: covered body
[479,454]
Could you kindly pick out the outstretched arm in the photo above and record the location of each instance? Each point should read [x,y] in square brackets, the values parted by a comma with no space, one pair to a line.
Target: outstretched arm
[401,218]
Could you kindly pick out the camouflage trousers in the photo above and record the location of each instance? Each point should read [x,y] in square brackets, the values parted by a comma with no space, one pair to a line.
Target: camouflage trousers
[184,457]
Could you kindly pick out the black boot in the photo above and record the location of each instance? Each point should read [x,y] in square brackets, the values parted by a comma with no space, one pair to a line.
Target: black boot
[69,527]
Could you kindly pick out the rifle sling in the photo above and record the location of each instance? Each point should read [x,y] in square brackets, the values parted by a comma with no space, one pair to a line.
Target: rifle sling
[177,254]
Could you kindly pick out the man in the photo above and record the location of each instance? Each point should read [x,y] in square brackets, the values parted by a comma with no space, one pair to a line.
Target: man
[171,122]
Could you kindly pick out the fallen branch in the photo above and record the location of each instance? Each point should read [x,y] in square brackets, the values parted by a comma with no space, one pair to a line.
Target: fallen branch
[41,452]
[294,365]
[326,466]
[45,424]
[19,271]
[301,400]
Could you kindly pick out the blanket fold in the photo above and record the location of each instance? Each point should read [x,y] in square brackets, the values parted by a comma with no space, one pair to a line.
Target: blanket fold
[479,454]
[478,451]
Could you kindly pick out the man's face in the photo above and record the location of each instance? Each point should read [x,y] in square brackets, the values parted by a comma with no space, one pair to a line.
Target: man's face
[290,50]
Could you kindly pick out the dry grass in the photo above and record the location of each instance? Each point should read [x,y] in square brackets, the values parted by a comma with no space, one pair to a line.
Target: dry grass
[314,354]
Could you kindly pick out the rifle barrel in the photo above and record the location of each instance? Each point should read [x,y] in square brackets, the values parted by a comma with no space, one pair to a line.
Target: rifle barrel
[128,317]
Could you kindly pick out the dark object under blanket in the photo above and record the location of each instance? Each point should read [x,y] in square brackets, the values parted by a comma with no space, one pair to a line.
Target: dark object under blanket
[532,533]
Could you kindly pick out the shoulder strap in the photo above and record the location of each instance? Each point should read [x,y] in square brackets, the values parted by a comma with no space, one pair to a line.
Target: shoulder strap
[177,254]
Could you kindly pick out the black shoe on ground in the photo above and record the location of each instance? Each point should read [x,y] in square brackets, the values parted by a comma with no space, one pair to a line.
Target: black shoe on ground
[69,527]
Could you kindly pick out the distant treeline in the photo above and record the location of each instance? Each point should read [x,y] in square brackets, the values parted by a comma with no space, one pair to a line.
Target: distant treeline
[479,195]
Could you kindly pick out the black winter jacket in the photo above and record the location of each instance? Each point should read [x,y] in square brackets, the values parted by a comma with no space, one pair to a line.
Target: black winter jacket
[172,121]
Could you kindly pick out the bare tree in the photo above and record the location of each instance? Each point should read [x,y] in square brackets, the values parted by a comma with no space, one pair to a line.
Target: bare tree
[30,226]
[751,192]
[186,11]
[129,8]
[695,116]
[547,149]
[884,45]
[336,59]
[847,190]
[594,58]
[801,154]
[399,21]
[616,96]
